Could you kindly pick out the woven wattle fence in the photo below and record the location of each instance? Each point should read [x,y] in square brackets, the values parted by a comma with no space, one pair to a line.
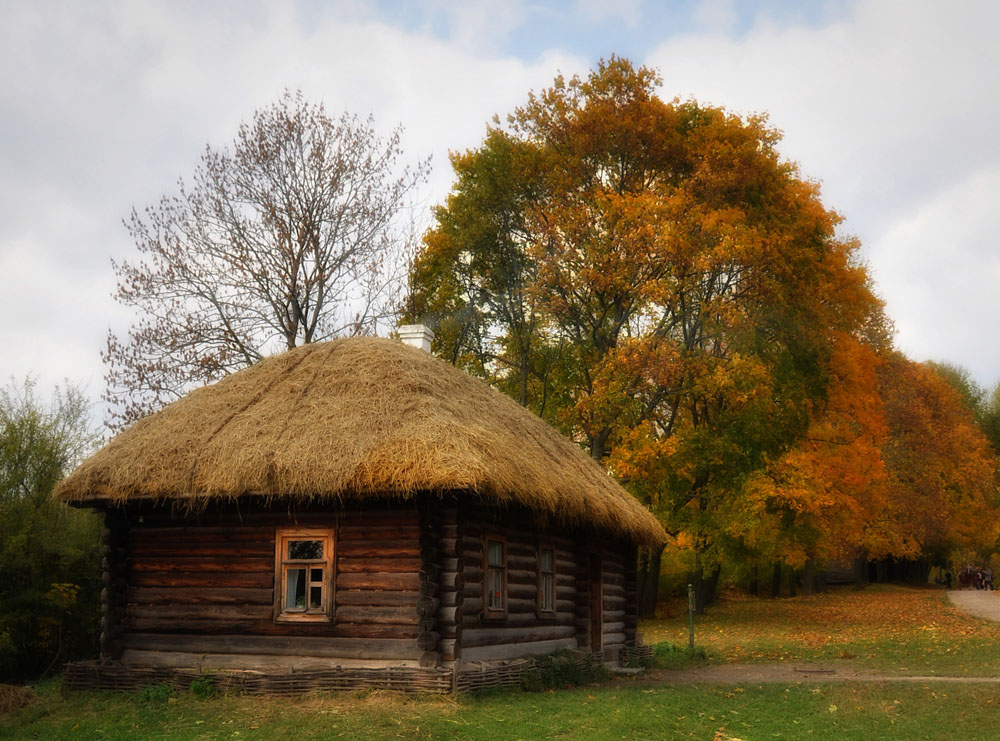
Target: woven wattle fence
[93,675]
[636,655]
[106,676]
[511,674]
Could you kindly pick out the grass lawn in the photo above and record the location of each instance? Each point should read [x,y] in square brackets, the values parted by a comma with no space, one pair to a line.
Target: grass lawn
[826,711]
[883,628]
[889,629]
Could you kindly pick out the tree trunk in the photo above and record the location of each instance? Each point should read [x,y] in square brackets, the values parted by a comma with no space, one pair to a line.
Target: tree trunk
[776,580]
[704,589]
[809,578]
[755,581]
[648,580]
[861,570]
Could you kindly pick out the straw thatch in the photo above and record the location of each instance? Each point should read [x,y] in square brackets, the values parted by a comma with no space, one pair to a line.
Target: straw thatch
[351,418]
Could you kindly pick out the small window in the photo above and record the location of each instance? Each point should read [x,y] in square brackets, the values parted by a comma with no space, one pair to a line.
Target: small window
[546,580]
[303,575]
[495,578]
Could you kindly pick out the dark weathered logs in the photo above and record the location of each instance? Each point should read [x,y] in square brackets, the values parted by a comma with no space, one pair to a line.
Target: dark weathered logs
[195,564]
[375,648]
[430,659]
[377,614]
[427,606]
[428,641]
[407,581]
[429,588]
[430,582]
[402,533]
[218,595]
[228,579]
[523,591]
[380,565]
[452,598]
[376,597]
[489,636]
[201,612]
[378,549]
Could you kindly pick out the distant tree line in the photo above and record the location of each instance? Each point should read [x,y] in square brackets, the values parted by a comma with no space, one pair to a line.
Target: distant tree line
[50,561]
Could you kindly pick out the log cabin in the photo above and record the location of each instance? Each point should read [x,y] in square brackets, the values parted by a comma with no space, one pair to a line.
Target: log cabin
[357,511]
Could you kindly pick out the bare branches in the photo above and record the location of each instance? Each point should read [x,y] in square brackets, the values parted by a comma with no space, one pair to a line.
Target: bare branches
[291,236]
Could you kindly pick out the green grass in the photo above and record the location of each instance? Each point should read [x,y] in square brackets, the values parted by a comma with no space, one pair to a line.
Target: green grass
[626,711]
[900,630]
[895,630]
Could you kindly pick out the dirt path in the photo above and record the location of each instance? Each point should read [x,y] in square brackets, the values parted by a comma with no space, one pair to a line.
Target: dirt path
[985,604]
[787,673]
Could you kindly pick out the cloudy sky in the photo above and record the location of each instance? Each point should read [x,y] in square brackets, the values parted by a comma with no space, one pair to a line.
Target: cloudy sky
[894,105]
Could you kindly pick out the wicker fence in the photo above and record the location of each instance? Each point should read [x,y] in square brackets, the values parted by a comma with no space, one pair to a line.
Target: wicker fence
[92,675]
[106,676]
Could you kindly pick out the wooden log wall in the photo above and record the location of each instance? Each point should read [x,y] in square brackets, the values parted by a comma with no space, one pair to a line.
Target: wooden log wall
[523,631]
[205,587]
[430,576]
[451,593]
[114,584]
[630,560]
[581,582]
[613,593]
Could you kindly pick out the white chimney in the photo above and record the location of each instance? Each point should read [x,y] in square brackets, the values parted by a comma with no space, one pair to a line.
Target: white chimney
[416,335]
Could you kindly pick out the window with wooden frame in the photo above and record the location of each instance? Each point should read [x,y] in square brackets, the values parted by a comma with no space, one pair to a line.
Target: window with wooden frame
[303,575]
[495,577]
[546,581]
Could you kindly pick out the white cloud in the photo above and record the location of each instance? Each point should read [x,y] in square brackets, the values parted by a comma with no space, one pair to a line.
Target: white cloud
[893,107]
[945,273]
[104,106]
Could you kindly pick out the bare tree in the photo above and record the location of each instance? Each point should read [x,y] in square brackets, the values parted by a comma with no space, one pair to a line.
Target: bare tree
[292,236]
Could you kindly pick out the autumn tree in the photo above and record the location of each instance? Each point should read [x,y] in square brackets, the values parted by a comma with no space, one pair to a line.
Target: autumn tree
[825,500]
[991,417]
[962,382]
[292,235]
[941,466]
[684,286]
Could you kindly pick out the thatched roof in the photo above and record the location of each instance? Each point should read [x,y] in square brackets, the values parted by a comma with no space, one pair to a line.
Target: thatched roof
[351,418]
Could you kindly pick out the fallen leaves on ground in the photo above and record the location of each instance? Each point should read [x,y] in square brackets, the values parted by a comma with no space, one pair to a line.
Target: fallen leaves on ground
[741,628]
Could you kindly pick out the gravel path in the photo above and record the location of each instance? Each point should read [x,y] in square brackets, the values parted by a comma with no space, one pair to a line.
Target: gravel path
[979,603]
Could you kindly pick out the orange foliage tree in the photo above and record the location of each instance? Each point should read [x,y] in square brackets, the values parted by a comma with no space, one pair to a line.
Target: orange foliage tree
[893,466]
[942,491]
[654,278]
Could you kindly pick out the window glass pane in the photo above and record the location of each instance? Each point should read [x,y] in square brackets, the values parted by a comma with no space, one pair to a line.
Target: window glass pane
[494,589]
[315,575]
[548,593]
[495,557]
[305,550]
[295,589]
[546,559]
[315,598]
